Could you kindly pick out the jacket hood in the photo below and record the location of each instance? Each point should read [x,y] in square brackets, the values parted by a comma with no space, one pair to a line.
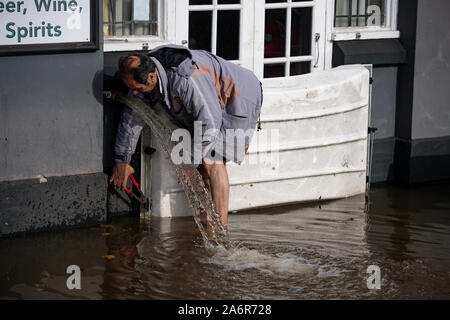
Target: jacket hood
[171,56]
[164,81]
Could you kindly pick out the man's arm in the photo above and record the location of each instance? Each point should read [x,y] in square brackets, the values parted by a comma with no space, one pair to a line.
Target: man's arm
[128,131]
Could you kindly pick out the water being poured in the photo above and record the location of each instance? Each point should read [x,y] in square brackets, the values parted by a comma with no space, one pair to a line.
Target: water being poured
[189,177]
[223,251]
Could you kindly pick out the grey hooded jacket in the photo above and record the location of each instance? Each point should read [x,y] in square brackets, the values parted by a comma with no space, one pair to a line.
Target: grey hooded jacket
[199,86]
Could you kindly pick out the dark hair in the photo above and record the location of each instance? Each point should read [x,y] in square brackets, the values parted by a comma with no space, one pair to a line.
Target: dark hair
[139,73]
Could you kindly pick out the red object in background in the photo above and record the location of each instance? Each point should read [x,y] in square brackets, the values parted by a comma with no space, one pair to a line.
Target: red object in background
[275,40]
[275,43]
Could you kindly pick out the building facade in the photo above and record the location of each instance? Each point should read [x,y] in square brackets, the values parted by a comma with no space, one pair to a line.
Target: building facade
[57,132]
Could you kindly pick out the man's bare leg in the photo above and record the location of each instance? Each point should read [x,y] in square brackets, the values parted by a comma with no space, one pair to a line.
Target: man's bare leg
[216,174]
[202,170]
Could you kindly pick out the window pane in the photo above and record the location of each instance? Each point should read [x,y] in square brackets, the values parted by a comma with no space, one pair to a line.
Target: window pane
[229,1]
[301,31]
[228,22]
[341,13]
[107,11]
[200,25]
[117,10]
[107,17]
[275,33]
[142,29]
[141,10]
[297,68]
[274,70]
[120,16]
[199,2]
[123,7]
[123,29]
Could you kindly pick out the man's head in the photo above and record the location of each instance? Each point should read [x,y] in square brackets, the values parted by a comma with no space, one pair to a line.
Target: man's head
[138,72]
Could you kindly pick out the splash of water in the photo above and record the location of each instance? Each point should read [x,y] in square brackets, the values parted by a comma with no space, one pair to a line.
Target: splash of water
[197,194]
[225,253]
[240,259]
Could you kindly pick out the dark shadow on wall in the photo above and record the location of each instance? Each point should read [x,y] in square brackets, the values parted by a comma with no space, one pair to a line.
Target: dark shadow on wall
[111,117]
[118,202]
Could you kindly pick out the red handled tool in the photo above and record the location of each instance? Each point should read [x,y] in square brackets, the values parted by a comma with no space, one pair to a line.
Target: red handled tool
[128,191]
[141,198]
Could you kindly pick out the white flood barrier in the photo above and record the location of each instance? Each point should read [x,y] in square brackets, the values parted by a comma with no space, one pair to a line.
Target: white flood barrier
[312,146]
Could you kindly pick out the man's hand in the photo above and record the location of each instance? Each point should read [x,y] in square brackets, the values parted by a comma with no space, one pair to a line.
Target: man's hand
[120,174]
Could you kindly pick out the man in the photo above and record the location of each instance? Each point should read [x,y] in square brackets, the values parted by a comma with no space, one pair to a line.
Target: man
[195,86]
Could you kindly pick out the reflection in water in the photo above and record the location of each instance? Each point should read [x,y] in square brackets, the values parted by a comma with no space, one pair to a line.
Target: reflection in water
[295,252]
[395,225]
[121,277]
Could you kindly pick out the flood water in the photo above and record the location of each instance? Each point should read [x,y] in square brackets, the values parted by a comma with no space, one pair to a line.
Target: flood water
[317,251]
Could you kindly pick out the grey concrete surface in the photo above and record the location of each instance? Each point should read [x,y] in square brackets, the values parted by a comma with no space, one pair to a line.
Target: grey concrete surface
[431,113]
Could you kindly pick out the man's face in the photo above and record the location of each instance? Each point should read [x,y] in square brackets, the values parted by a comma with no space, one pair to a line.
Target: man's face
[137,87]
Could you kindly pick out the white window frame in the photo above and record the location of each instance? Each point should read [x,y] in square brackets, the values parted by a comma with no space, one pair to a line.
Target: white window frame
[364,33]
[214,8]
[173,21]
[251,55]
[245,34]
[317,27]
[166,32]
